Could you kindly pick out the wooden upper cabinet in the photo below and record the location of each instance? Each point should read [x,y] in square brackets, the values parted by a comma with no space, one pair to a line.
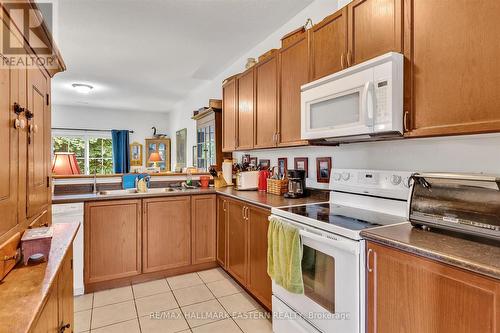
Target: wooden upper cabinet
[375,28]
[203,228]
[453,66]
[266,103]
[259,281]
[222,216]
[245,115]
[403,287]
[294,72]
[164,219]
[39,142]
[229,112]
[112,240]
[329,45]
[237,241]
[9,138]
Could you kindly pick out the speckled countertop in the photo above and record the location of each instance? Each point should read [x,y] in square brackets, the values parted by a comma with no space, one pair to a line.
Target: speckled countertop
[25,289]
[476,255]
[254,197]
[266,200]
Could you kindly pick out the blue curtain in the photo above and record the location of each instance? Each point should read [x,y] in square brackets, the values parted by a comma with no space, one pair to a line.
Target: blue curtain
[121,151]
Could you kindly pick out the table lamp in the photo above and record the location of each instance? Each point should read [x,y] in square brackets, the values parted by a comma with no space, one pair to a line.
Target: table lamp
[65,164]
[155,158]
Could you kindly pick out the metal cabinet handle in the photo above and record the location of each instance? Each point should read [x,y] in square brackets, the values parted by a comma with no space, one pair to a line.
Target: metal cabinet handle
[405,121]
[64,328]
[243,212]
[349,54]
[342,60]
[368,256]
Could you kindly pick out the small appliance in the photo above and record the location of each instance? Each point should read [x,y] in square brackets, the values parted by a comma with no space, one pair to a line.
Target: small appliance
[296,184]
[263,176]
[464,203]
[333,262]
[247,180]
[361,103]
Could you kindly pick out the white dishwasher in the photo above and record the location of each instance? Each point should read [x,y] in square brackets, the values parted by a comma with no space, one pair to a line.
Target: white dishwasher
[70,213]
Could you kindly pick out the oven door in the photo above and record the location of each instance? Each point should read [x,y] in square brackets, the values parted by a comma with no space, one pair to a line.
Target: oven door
[331,274]
[339,108]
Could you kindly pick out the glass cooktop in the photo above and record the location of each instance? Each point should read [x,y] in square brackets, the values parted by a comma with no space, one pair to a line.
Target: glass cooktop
[351,218]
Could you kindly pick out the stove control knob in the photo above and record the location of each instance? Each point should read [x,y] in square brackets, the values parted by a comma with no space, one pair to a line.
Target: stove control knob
[395,180]
[346,176]
[337,176]
[406,182]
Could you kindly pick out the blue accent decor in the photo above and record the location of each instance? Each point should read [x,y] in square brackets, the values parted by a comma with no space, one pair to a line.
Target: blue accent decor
[121,151]
[128,180]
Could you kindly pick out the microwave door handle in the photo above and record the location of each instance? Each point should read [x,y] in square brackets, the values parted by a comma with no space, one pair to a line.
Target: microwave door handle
[368,103]
[337,244]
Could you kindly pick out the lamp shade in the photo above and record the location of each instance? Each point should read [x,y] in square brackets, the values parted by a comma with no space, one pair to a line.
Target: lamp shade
[65,164]
[155,157]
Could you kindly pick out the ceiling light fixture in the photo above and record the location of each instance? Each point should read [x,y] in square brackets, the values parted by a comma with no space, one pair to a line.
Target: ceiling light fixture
[82,88]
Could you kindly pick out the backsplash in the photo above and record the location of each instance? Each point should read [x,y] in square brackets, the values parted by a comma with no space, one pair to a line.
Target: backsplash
[472,154]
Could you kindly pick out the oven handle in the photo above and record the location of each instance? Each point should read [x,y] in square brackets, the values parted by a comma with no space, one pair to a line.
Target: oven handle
[368,103]
[335,243]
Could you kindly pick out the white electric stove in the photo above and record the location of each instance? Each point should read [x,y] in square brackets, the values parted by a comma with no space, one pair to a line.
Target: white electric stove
[333,263]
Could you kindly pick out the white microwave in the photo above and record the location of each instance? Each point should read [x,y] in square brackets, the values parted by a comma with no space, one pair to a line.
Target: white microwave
[363,102]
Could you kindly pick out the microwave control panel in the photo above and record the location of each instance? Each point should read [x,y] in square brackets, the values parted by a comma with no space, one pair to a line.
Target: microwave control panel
[382,102]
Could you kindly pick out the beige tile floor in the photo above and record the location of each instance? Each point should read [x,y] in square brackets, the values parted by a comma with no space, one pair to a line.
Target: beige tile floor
[206,301]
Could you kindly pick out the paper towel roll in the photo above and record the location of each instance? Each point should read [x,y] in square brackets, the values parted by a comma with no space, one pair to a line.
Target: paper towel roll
[227,171]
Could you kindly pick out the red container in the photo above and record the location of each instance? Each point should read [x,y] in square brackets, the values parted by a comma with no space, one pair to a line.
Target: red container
[204,180]
[263,176]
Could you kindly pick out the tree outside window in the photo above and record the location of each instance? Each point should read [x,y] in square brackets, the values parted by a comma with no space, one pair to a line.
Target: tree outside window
[94,154]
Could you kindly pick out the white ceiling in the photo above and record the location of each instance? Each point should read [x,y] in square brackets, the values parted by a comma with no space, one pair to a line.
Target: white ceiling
[150,54]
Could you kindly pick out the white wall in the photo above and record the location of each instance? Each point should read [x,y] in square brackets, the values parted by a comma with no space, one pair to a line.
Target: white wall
[92,118]
[454,154]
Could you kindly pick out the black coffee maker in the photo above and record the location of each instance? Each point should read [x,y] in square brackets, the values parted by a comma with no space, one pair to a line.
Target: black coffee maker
[296,184]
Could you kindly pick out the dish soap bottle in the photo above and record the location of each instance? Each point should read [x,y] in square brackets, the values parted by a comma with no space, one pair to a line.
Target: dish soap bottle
[142,186]
[189,177]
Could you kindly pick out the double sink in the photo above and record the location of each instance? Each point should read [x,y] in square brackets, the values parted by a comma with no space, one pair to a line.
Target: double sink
[134,191]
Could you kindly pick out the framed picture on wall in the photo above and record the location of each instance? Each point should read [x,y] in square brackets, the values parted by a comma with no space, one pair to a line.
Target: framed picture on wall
[301,163]
[323,168]
[264,164]
[282,166]
[245,158]
[135,154]
[253,161]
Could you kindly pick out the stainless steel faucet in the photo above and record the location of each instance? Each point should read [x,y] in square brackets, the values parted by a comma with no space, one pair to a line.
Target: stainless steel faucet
[95,183]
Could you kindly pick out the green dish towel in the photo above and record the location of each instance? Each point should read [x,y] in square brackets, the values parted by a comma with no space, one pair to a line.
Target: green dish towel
[284,256]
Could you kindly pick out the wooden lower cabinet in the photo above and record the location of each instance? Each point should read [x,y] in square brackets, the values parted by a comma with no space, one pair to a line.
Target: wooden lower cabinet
[237,241]
[56,315]
[259,283]
[246,246]
[112,240]
[203,228]
[166,233]
[408,293]
[222,221]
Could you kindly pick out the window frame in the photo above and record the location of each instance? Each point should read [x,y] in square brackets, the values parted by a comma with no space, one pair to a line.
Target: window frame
[85,136]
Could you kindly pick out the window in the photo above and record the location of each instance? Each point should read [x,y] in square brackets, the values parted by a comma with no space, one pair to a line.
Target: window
[93,150]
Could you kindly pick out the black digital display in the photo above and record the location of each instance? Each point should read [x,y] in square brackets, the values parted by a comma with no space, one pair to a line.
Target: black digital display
[368,176]
[382,84]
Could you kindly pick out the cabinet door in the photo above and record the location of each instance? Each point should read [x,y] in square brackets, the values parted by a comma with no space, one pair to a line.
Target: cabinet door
[8,151]
[453,92]
[222,215]
[65,285]
[48,322]
[375,28]
[258,280]
[39,142]
[407,293]
[294,72]
[266,103]
[166,233]
[245,110]
[203,228]
[229,107]
[237,241]
[112,240]
[329,45]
